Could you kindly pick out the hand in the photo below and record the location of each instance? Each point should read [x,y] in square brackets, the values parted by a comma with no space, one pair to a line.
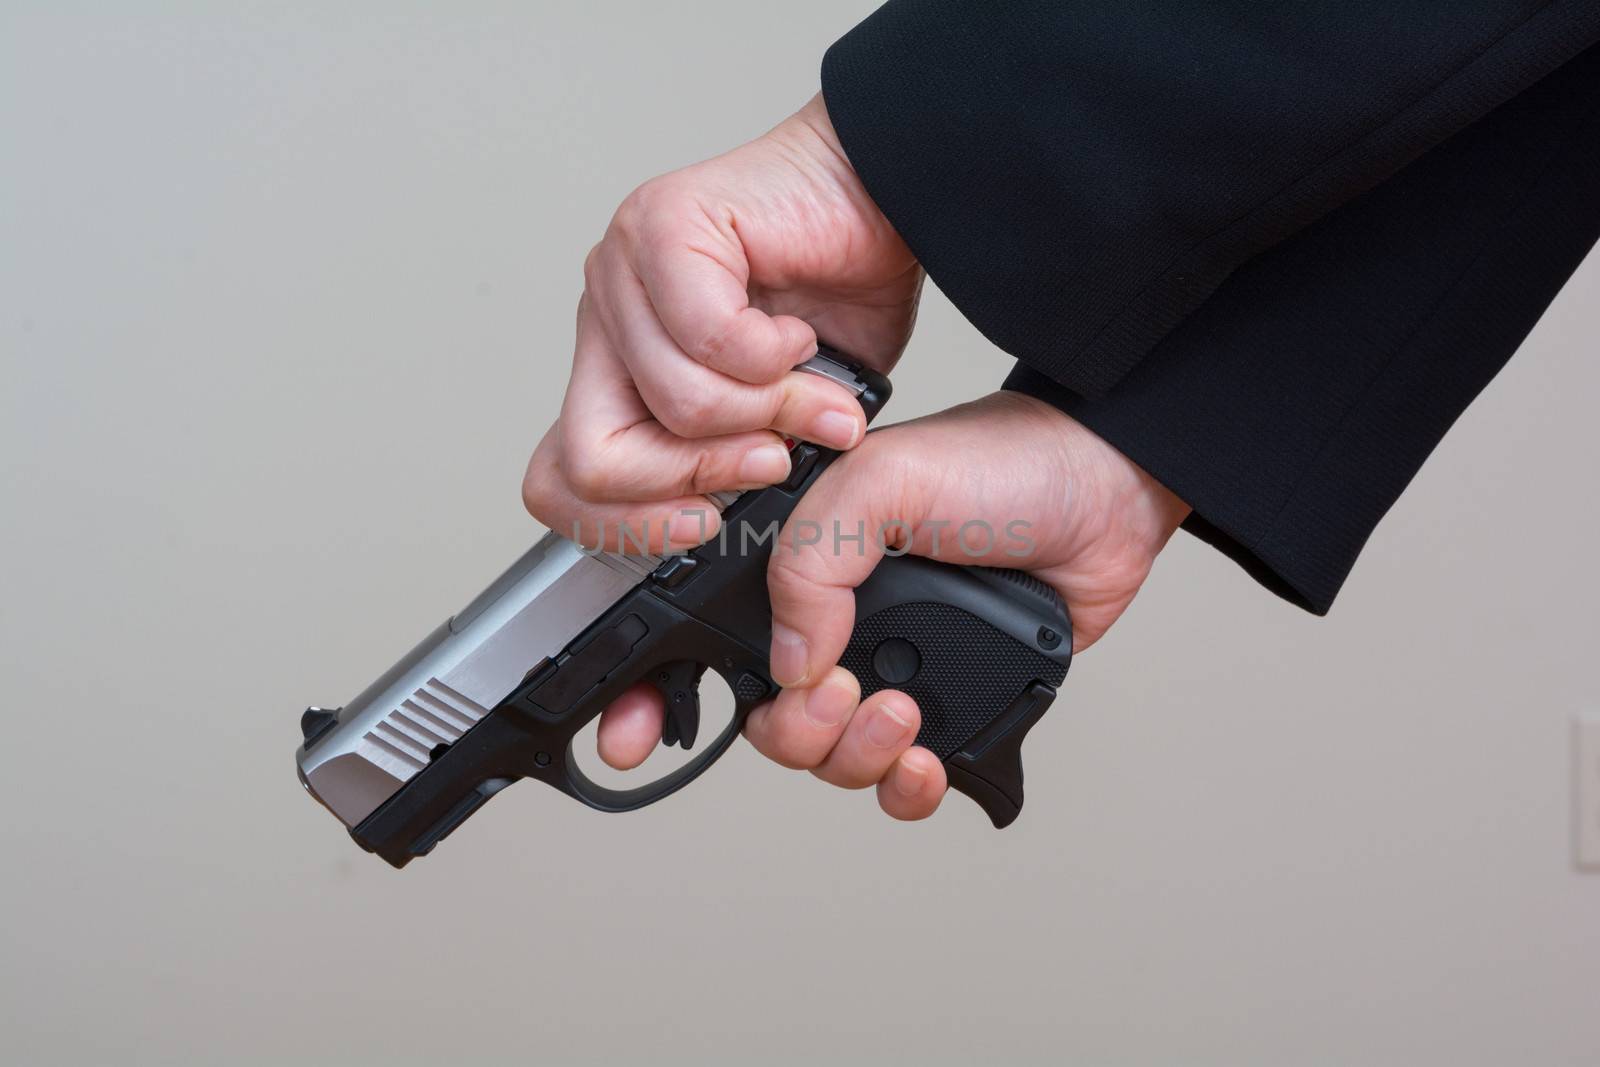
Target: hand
[1060,503]
[710,285]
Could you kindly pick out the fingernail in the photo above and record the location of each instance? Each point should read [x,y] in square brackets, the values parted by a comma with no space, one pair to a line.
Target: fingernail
[835,429]
[689,527]
[764,465]
[789,656]
[908,779]
[885,729]
[827,705]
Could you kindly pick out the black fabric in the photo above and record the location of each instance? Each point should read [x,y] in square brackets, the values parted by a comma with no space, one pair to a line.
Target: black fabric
[1293,407]
[1287,380]
[1077,175]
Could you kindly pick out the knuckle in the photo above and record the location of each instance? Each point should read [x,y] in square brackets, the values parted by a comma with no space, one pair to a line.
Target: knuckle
[629,212]
[538,482]
[687,413]
[705,475]
[633,215]
[787,581]
[647,195]
[591,267]
[535,494]
[791,401]
[711,345]
[588,475]
[779,744]
[790,753]
[772,371]
[846,777]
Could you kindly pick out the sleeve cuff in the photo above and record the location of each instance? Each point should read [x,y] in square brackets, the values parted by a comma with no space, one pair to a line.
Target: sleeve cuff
[1292,408]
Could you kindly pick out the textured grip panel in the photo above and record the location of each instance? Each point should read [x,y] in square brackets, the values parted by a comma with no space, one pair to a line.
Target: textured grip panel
[969,671]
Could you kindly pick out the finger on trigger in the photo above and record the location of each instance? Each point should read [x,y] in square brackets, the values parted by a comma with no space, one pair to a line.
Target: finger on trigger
[630,728]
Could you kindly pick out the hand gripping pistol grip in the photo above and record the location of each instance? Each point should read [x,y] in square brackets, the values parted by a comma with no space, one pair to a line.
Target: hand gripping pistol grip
[980,650]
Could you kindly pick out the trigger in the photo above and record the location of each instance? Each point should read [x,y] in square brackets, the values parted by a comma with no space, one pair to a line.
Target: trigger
[679,685]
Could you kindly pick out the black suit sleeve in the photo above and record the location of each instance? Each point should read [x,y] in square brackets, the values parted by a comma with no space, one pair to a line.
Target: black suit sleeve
[1269,251]
[1078,175]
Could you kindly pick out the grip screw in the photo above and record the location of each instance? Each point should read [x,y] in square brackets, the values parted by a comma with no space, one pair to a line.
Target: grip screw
[1048,638]
[896,661]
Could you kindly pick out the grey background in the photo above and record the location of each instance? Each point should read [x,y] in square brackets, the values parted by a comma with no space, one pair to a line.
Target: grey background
[285,300]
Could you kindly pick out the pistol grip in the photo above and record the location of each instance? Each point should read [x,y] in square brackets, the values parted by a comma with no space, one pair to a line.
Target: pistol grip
[981,651]
[988,768]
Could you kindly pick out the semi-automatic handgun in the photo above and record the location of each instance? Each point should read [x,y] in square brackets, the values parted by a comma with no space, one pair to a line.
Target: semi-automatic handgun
[499,691]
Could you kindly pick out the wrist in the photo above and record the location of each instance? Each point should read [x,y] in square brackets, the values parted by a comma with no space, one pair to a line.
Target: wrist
[1112,506]
[813,117]
[808,138]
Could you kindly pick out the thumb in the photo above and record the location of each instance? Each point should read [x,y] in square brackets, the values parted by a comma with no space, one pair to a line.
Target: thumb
[834,538]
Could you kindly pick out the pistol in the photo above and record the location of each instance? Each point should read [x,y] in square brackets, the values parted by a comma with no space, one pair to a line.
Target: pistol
[499,691]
